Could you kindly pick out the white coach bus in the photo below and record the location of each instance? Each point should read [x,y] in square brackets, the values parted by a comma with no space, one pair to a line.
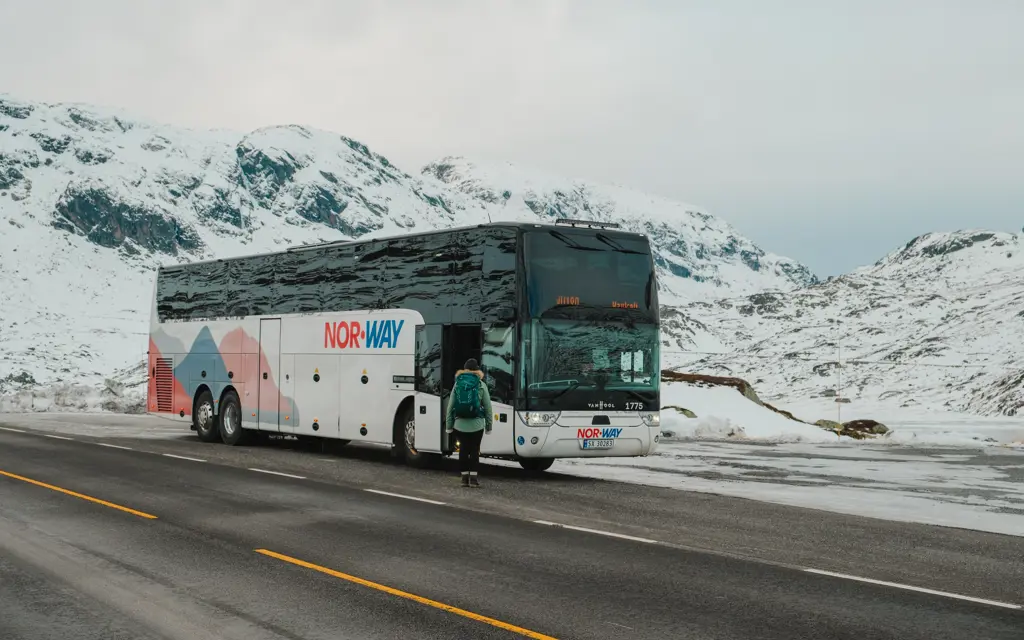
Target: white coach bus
[360,340]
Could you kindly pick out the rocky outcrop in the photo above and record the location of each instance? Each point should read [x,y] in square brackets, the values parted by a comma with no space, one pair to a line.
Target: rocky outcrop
[107,221]
[681,410]
[859,429]
[739,384]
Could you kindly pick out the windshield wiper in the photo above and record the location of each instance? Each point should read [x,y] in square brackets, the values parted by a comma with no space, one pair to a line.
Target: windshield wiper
[631,392]
[572,243]
[615,245]
[572,387]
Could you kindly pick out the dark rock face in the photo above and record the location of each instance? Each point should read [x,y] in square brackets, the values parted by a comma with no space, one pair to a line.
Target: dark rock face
[156,143]
[263,175]
[322,205]
[92,212]
[51,144]
[921,246]
[762,304]
[9,175]
[86,156]
[15,110]
[219,207]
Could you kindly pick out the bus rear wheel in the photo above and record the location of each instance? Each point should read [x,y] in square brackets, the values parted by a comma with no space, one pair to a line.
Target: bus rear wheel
[536,464]
[230,421]
[203,418]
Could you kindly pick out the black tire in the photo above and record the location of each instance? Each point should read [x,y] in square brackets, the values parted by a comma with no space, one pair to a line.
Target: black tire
[204,419]
[229,421]
[536,464]
[405,431]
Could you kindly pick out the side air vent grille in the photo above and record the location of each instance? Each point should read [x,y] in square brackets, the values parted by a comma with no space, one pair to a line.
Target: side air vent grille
[164,385]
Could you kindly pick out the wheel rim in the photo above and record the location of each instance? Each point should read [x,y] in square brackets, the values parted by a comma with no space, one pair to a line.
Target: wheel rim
[410,436]
[230,419]
[204,417]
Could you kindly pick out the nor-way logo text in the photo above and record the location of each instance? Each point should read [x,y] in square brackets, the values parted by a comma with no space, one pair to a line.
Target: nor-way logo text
[594,432]
[373,334]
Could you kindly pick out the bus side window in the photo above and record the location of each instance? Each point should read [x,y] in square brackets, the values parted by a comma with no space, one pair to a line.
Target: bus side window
[467,293]
[498,361]
[498,280]
[297,279]
[338,275]
[207,290]
[370,271]
[252,286]
[417,277]
[172,294]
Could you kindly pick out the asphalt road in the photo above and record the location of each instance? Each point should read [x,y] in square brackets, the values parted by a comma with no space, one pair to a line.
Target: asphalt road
[180,548]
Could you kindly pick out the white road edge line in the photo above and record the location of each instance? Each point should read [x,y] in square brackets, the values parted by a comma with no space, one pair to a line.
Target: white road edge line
[399,495]
[171,455]
[278,473]
[50,435]
[11,430]
[597,531]
[908,587]
[114,446]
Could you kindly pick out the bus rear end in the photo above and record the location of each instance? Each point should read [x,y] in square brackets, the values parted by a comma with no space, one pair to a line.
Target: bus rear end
[589,346]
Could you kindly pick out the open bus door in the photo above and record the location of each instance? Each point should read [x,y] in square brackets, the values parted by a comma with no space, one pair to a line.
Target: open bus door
[441,350]
[429,409]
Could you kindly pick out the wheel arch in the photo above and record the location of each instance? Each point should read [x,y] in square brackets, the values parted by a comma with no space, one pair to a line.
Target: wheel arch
[397,427]
[230,388]
[199,392]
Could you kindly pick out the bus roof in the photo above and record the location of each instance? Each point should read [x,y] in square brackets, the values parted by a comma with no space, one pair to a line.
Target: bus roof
[559,224]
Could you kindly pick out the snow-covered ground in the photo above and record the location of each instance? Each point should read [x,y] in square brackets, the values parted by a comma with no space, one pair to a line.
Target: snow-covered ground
[980,489]
[932,468]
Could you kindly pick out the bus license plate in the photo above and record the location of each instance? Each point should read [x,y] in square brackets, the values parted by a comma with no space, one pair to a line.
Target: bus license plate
[596,444]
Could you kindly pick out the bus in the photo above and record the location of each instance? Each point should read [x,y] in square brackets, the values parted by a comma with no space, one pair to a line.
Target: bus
[360,341]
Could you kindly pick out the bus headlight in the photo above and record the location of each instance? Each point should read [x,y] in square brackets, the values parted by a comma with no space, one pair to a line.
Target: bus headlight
[539,418]
[651,419]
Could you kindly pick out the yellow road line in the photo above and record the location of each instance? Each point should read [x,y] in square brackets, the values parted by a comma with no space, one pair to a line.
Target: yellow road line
[79,495]
[402,594]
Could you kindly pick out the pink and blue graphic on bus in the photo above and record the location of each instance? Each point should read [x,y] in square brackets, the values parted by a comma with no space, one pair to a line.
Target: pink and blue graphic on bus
[235,361]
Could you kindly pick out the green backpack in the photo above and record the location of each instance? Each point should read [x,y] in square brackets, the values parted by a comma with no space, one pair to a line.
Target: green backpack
[466,403]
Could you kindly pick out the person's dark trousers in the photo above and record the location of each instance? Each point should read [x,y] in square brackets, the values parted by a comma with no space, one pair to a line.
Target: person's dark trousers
[469,452]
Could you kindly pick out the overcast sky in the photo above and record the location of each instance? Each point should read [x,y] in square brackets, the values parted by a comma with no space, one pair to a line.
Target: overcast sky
[831,132]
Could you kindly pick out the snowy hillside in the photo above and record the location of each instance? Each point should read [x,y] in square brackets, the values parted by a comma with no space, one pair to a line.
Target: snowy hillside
[937,324]
[91,199]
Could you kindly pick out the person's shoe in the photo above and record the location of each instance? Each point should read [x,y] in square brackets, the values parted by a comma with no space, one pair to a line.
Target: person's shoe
[474,482]
[465,481]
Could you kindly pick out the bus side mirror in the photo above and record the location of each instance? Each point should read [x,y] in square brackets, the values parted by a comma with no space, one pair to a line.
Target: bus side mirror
[506,314]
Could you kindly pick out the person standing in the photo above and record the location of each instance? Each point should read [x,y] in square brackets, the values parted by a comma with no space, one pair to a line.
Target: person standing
[469,412]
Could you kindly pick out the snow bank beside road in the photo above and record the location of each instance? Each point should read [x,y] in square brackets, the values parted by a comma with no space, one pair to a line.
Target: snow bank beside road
[723,413]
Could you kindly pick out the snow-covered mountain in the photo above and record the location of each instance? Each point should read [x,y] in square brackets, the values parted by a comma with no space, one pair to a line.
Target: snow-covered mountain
[937,324]
[91,199]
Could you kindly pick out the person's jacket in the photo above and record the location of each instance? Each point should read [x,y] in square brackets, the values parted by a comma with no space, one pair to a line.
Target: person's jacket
[468,425]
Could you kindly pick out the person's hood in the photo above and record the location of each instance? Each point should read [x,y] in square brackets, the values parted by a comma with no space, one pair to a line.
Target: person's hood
[479,374]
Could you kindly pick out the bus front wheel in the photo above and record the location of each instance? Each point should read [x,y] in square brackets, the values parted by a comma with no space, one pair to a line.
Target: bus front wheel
[405,435]
[536,464]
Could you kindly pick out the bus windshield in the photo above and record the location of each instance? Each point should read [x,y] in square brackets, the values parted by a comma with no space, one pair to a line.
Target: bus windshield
[574,365]
[576,273]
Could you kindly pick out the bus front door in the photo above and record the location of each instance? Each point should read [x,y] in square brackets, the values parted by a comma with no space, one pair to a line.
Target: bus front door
[429,371]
